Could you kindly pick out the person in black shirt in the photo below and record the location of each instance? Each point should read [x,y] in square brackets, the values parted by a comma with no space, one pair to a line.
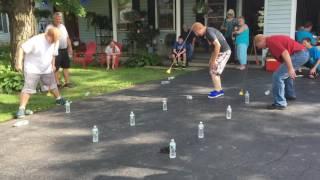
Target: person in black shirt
[219,57]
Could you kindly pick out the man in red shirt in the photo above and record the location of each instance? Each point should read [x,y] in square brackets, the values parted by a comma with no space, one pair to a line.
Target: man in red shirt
[292,55]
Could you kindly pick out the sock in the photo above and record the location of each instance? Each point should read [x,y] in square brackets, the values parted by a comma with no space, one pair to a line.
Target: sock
[58,98]
[22,107]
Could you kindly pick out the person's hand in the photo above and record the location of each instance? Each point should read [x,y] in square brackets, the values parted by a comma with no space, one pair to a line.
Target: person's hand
[213,66]
[18,67]
[313,71]
[292,73]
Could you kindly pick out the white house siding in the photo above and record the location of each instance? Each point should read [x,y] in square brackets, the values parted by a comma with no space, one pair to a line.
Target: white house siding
[99,7]
[4,38]
[188,16]
[280,17]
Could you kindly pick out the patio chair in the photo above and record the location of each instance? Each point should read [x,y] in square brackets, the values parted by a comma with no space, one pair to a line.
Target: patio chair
[87,56]
[103,56]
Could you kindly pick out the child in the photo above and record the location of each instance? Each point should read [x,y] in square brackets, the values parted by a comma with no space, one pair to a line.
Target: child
[292,55]
[179,51]
[219,57]
[314,60]
[112,51]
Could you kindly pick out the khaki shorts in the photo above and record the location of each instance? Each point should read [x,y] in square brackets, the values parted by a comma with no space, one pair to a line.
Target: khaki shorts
[222,61]
[31,81]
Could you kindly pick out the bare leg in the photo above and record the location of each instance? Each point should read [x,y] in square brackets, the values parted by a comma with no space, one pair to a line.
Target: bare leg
[56,93]
[113,61]
[108,62]
[216,80]
[174,59]
[66,76]
[24,98]
[57,76]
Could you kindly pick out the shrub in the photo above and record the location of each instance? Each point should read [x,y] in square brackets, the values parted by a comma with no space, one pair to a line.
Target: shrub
[10,81]
[143,59]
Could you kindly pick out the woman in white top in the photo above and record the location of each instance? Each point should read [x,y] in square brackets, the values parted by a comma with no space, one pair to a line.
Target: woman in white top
[112,52]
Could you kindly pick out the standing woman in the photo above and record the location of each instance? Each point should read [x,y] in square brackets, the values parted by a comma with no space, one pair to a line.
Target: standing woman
[242,42]
[227,27]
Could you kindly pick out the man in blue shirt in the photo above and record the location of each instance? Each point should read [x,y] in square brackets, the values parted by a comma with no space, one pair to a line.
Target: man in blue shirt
[179,53]
[314,60]
[306,33]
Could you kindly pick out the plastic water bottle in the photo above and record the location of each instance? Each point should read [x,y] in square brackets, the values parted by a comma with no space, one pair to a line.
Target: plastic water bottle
[189,97]
[267,92]
[164,104]
[21,123]
[95,134]
[200,130]
[67,105]
[229,112]
[132,119]
[172,148]
[247,97]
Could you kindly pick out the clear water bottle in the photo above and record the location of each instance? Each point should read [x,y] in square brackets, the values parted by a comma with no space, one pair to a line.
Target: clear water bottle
[95,134]
[247,97]
[164,104]
[67,105]
[200,130]
[172,148]
[132,119]
[229,112]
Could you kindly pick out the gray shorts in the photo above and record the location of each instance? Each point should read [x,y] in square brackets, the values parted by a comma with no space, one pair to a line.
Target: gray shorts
[222,61]
[31,81]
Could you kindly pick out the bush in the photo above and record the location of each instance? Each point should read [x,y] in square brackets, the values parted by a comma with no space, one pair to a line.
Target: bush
[10,81]
[143,59]
[4,55]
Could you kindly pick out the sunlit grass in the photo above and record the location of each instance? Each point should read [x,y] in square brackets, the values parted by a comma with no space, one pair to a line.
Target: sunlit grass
[94,80]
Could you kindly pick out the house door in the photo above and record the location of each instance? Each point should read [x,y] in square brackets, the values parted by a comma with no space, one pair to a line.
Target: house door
[308,11]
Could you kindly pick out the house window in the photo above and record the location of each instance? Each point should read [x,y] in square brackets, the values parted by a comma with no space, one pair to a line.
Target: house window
[3,23]
[166,14]
[123,7]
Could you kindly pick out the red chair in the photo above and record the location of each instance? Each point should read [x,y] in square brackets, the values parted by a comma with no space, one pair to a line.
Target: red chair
[103,57]
[86,57]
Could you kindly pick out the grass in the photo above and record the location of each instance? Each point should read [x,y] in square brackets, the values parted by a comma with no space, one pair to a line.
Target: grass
[94,80]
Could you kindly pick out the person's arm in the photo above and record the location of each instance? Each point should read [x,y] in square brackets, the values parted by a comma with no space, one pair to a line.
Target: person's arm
[215,53]
[70,51]
[287,59]
[19,59]
[53,64]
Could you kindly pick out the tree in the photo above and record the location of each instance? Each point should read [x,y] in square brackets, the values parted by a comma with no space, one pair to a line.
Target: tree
[22,21]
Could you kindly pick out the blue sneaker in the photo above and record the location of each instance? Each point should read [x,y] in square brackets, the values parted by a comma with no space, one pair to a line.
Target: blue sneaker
[20,114]
[215,94]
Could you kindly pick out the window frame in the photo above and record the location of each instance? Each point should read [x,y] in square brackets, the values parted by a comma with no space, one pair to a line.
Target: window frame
[5,26]
[173,17]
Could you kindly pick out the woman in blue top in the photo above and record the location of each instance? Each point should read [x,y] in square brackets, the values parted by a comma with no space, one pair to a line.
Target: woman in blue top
[242,42]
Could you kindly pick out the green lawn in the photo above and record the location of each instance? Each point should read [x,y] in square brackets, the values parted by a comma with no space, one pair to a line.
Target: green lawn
[94,80]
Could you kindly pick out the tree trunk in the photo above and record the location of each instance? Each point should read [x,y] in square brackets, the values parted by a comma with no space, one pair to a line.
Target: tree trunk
[22,24]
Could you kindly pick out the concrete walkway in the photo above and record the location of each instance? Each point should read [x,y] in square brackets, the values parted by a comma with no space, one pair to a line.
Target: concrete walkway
[256,144]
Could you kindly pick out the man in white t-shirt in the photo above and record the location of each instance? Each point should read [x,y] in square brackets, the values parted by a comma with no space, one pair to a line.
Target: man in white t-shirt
[112,52]
[36,59]
[65,50]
